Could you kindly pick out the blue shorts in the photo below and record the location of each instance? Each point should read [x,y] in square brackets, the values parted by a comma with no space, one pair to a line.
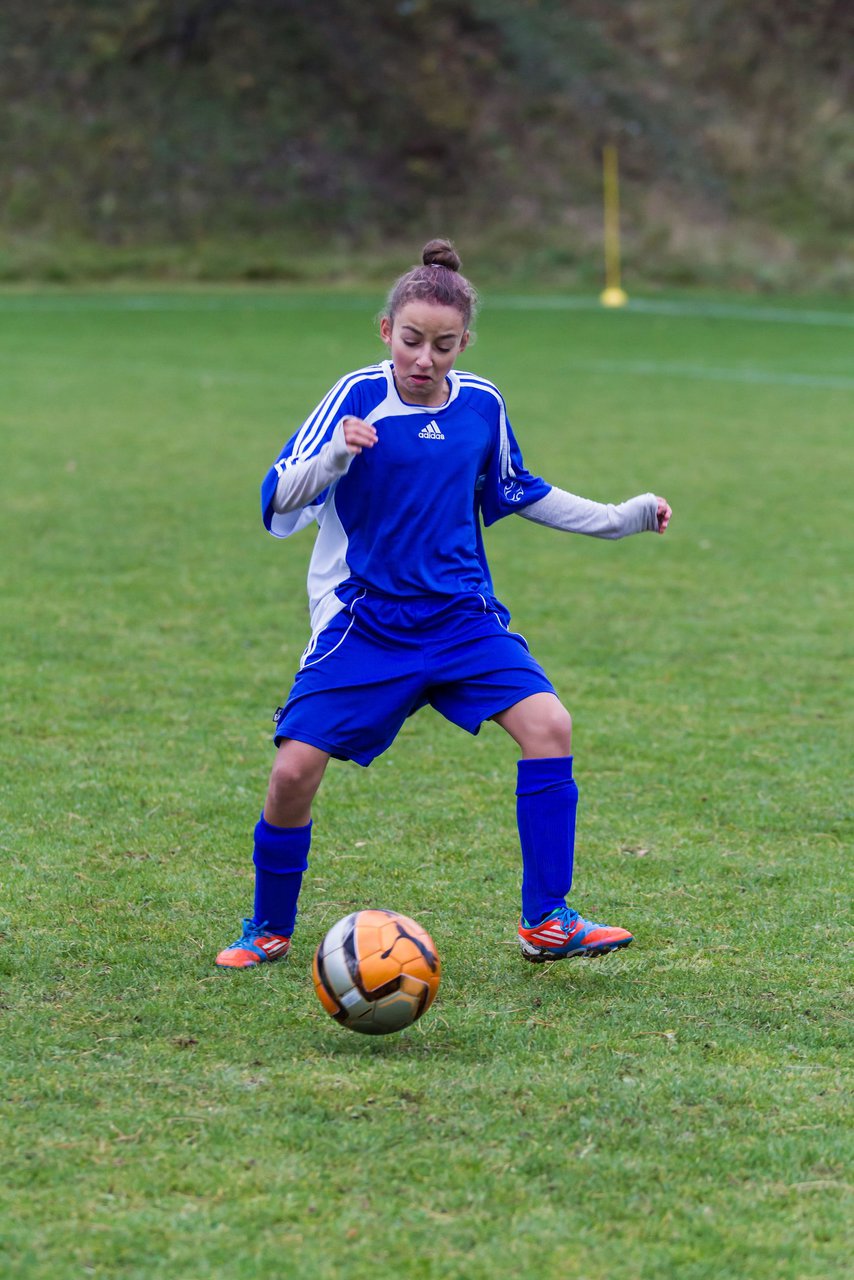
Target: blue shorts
[380,660]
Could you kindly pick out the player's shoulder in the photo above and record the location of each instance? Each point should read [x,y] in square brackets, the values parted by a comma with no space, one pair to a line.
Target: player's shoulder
[472,384]
[354,393]
[369,373]
[479,393]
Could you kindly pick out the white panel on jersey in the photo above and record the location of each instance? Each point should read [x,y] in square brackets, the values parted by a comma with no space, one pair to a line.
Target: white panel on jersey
[283,525]
[328,567]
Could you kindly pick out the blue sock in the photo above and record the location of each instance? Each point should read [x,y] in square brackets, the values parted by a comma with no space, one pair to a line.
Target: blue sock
[547,798]
[280,857]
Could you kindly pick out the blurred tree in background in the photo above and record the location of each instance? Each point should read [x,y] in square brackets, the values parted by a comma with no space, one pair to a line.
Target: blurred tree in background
[250,137]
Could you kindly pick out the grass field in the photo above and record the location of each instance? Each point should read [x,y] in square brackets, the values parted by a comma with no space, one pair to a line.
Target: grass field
[679,1110]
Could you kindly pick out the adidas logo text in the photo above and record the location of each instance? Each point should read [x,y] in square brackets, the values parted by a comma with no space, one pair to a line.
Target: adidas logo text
[430,432]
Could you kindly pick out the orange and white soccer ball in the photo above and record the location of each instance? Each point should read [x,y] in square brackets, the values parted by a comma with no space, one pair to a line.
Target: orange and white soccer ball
[376,971]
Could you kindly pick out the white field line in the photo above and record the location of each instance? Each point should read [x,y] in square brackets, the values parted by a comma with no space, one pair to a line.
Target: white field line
[708,373]
[188,302]
[208,378]
[694,309]
[11,302]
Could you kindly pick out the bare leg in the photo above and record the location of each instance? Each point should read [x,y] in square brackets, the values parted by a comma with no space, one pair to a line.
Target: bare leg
[297,773]
[541,726]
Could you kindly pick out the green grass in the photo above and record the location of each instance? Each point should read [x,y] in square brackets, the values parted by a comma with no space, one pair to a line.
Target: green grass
[677,1110]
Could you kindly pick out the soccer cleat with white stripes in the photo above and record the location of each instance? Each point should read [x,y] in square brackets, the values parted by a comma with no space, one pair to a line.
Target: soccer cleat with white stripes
[257,945]
[565,933]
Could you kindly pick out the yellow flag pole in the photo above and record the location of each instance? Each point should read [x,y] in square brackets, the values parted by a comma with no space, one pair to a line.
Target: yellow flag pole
[612,295]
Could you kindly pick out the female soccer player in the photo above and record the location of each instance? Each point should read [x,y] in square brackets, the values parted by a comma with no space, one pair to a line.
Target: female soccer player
[397,465]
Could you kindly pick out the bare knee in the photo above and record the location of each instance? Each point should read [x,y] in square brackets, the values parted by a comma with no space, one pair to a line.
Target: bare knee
[296,775]
[552,734]
[541,725]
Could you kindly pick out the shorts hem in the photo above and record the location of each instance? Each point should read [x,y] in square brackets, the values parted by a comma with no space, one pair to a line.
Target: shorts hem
[547,687]
[311,740]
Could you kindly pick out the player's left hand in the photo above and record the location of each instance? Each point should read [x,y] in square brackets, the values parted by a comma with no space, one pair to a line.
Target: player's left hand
[664,513]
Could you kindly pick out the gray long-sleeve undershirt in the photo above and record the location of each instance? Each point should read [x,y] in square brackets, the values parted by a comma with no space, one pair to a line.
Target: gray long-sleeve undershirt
[562,510]
[304,478]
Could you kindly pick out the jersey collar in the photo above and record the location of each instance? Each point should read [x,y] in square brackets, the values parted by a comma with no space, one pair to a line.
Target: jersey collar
[454,391]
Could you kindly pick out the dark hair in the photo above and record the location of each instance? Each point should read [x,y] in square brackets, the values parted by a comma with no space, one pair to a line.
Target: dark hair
[438,280]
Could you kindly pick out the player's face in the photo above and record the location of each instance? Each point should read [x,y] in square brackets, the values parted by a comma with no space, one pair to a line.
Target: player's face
[424,342]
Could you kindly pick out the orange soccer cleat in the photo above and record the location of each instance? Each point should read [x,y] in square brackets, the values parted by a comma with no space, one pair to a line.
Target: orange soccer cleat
[255,946]
[565,933]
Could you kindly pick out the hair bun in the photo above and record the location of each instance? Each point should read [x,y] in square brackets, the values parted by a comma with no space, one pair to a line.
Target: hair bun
[441,253]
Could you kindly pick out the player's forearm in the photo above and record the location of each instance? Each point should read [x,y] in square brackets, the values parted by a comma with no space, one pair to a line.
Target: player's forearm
[566,511]
[304,478]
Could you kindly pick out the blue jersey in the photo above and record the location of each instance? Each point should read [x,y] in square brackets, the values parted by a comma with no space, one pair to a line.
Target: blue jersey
[404,520]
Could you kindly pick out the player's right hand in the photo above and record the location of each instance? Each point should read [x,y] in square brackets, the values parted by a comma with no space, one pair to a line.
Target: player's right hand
[359,435]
